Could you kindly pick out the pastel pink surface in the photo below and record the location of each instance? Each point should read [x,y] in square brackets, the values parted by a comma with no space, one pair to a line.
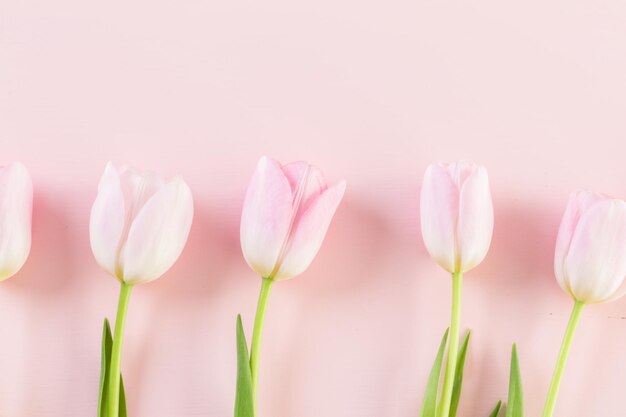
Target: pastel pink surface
[368,91]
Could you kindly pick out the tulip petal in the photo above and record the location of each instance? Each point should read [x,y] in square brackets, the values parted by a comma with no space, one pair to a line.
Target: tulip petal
[439,202]
[266,216]
[309,231]
[106,223]
[578,203]
[294,171]
[460,171]
[618,293]
[475,224]
[314,186]
[138,188]
[158,234]
[595,265]
[16,202]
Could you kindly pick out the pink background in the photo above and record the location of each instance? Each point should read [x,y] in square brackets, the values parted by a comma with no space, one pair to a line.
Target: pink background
[368,91]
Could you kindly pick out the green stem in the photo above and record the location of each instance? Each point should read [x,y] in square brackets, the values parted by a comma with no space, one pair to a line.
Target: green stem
[453,345]
[266,286]
[574,318]
[116,351]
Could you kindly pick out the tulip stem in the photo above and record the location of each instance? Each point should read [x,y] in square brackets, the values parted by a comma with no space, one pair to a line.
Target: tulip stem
[116,351]
[266,286]
[453,345]
[574,318]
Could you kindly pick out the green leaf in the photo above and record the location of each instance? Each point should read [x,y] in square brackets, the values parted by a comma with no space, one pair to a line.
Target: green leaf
[122,410]
[496,410]
[458,376]
[244,396]
[429,405]
[515,402]
[107,342]
[105,361]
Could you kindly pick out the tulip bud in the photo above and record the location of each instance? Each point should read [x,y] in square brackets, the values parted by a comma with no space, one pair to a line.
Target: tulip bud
[286,214]
[590,256]
[456,215]
[139,223]
[16,210]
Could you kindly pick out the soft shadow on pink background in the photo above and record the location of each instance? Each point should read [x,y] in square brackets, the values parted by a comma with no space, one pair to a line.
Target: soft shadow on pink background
[369,91]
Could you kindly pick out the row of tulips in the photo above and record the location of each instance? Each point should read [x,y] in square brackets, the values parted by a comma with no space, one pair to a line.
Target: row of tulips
[457,224]
[140,223]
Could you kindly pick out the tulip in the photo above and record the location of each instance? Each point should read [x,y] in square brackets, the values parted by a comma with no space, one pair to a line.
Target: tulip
[139,223]
[456,215]
[285,217]
[457,224]
[16,208]
[589,263]
[590,256]
[139,226]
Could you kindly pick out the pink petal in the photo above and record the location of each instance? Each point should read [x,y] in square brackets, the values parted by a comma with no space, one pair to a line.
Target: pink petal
[460,171]
[158,234]
[475,224]
[314,183]
[595,266]
[266,216]
[309,232]
[439,203]
[578,203]
[294,171]
[16,202]
[107,220]
[138,188]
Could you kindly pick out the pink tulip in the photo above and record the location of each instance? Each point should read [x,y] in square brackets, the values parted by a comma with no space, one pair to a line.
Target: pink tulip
[590,258]
[589,264]
[456,215]
[285,217]
[16,208]
[139,223]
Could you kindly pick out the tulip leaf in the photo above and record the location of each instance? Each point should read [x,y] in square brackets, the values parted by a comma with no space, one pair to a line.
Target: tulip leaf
[515,402]
[429,405]
[458,376]
[107,344]
[122,411]
[496,410]
[244,396]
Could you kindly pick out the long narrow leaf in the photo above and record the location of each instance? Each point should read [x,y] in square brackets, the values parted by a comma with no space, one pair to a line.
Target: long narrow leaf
[107,342]
[458,376]
[105,361]
[244,396]
[429,405]
[122,412]
[515,402]
[496,410]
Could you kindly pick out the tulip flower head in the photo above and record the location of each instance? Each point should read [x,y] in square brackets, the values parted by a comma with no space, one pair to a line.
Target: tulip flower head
[139,223]
[286,214]
[16,208]
[590,256]
[456,214]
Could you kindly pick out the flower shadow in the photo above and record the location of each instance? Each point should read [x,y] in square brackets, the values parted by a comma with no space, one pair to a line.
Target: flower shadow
[516,285]
[352,292]
[181,313]
[45,282]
